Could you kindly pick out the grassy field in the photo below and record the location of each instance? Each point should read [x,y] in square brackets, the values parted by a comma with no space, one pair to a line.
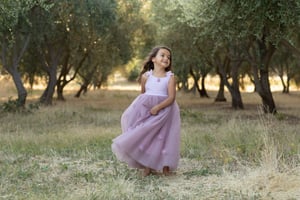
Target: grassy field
[64,151]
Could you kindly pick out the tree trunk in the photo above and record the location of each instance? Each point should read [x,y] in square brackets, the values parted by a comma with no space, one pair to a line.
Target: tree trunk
[47,96]
[234,89]
[196,79]
[236,98]
[22,93]
[17,54]
[284,90]
[59,92]
[51,55]
[203,92]
[262,85]
[220,96]
[288,84]
[235,93]
[237,102]
[260,71]
[62,80]
[266,94]
[83,88]
[266,53]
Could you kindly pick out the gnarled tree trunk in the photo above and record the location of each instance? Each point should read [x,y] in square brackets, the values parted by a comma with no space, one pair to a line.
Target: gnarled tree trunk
[260,69]
[47,95]
[202,91]
[15,57]
[220,96]
[51,60]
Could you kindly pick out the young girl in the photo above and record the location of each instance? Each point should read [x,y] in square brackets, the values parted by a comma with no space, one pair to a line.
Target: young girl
[151,124]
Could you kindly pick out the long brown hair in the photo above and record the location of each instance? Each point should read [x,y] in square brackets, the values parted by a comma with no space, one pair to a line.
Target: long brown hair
[148,64]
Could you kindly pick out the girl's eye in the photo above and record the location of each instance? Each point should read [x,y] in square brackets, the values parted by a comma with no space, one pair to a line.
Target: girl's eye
[163,55]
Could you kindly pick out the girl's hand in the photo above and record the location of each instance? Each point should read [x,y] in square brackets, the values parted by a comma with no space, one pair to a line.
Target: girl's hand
[154,110]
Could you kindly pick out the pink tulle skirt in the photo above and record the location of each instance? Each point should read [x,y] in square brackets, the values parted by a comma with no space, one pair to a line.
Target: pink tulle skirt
[149,140]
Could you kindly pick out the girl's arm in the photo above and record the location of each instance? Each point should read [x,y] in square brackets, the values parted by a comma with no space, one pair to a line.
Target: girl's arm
[143,82]
[168,101]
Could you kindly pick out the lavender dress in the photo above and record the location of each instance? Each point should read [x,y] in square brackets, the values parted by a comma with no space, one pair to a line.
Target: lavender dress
[150,140]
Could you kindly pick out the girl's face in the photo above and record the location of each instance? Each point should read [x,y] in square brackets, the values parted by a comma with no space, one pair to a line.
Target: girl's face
[162,58]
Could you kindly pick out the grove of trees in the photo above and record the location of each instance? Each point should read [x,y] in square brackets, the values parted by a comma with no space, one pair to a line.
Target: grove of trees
[83,41]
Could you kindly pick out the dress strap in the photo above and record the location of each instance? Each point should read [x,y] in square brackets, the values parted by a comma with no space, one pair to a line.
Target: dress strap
[169,73]
[148,73]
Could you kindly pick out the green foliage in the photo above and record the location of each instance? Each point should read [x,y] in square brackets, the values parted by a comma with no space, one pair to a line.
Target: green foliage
[14,106]
[15,14]
[11,106]
[76,37]
[234,20]
[107,34]
[134,74]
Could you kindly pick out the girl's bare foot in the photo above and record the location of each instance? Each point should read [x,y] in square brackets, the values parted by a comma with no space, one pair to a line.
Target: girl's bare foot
[166,171]
[146,172]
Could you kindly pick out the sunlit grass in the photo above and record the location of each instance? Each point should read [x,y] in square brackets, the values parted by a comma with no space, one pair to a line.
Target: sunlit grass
[64,151]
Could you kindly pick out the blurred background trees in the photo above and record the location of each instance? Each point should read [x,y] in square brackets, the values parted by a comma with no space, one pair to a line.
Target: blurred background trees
[60,42]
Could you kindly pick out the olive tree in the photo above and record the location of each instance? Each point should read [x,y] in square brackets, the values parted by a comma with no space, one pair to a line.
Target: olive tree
[257,26]
[15,36]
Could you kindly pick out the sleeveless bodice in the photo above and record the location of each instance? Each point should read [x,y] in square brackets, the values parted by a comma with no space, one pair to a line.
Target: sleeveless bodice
[157,85]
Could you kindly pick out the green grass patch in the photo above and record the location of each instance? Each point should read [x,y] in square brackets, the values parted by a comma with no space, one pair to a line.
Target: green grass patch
[64,152]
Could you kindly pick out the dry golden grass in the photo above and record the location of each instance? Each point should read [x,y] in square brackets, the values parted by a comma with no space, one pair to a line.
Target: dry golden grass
[63,151]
